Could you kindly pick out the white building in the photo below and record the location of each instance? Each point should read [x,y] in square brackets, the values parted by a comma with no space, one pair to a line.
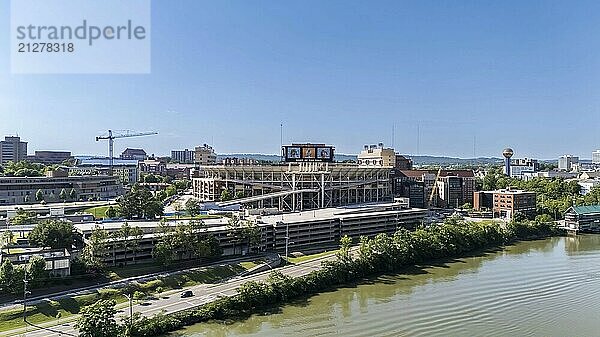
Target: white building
[377,156]
[596,157]
[566,162]
[205,155]
[587,185]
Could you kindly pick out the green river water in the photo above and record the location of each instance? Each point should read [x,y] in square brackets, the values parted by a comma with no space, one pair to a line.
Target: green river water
[541,288]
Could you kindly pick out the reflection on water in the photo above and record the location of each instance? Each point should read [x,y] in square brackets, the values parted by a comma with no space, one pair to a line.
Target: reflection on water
[540,288]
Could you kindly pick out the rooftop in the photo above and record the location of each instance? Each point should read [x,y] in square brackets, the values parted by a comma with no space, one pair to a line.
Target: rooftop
[591,209]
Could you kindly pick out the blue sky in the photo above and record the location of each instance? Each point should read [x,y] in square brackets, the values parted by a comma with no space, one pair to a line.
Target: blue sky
[524,74]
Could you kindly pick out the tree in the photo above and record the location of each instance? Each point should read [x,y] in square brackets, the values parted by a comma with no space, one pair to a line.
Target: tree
[226,195]
[192,207]
[140,203]
[164,250]
[52,233]
[73,194]
[95,250]
[239,194]
[98,320]
[6,240]
[39,196]
[36,270]
[171,190]
[63,195]
[151,178]
[136,237]
[7,276]
[23,169]
[111,212]
[251,234]
[23,218]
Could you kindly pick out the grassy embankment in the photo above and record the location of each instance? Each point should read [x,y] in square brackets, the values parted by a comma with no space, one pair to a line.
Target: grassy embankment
[47,312]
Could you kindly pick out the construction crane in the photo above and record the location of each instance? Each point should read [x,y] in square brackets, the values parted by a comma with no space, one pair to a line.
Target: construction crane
[111,139]
[435,187]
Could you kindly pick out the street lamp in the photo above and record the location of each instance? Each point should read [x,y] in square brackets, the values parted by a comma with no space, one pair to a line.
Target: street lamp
[130,298]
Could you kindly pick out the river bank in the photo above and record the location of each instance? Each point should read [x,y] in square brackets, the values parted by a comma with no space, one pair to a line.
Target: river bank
[382,254]
[547,287]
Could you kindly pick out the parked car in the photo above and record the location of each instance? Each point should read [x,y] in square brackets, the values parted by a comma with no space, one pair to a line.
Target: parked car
[187,293]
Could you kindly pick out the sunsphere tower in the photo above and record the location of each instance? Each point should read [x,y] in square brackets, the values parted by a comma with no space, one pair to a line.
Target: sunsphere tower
[507,153]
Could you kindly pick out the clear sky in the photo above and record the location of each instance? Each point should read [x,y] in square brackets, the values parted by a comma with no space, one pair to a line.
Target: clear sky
[524,74]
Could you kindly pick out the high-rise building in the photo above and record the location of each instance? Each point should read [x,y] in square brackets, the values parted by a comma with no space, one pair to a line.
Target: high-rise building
[596,157]
[183,157]
[12,149]
[205,155]
[565,163]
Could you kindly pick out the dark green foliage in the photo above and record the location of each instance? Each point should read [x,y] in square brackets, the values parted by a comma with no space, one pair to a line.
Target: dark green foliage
[139,203]
[23,169]
[53,234]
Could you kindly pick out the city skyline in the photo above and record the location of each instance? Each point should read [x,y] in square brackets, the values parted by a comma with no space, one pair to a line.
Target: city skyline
[471,78]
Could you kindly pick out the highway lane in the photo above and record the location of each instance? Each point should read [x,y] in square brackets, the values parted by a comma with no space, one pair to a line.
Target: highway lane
[171,301]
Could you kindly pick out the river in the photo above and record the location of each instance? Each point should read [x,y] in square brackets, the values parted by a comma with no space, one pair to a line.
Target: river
[540,288]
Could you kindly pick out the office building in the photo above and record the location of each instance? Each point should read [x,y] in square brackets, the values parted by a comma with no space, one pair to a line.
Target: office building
[566,162]
[596,157]
[506,203]
[377,156]
[205,155]
[12,149]
[183,157]
[441,188]
[520,166]
[454,189]
[180,171]
[24,190]
[126,170]
[49,157]
[403,163]
[153,166]
[134,154]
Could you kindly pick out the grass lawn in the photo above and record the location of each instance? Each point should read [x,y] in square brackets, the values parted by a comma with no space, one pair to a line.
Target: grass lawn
[251,264]
[312,256]
[98,212]
[46,312]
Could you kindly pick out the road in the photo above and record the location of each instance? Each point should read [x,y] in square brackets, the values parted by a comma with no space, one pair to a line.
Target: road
[171,301]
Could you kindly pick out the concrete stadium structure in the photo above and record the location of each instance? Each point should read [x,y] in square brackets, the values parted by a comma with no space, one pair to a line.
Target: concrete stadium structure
[294,186]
